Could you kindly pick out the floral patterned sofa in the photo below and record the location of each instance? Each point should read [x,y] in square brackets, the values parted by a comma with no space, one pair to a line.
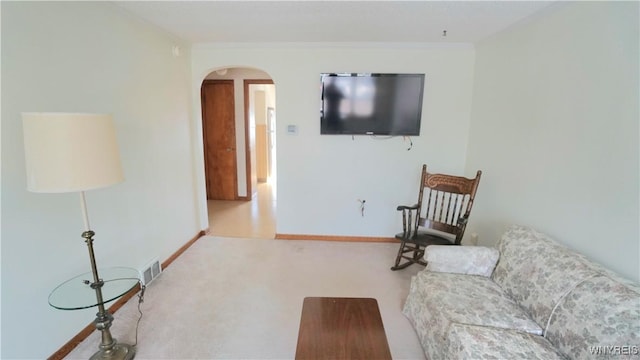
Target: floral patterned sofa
[542,301]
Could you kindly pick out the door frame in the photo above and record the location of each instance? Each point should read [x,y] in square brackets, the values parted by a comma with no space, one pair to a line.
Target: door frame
[247,83]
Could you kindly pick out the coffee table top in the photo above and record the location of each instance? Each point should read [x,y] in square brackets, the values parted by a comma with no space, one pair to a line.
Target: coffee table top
[341,328]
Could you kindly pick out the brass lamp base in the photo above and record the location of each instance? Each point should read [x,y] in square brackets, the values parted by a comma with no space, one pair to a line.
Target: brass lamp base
[109,347]
[117,352]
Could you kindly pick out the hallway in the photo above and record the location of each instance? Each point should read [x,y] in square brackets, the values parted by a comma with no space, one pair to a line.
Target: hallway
[246,219]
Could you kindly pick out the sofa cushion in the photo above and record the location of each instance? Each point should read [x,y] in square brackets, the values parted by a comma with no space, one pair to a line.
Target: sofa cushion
[479,342]
[474,300]
[602,311]
[537,272]
[437,300]
[472,260]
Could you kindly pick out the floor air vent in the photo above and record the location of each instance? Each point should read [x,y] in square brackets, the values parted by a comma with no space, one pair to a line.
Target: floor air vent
[150,272]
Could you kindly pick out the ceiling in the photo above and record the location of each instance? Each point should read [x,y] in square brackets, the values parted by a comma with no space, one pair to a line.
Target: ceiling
[333,21]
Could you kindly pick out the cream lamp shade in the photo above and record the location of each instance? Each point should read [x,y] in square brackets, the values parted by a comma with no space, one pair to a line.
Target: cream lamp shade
[70,152]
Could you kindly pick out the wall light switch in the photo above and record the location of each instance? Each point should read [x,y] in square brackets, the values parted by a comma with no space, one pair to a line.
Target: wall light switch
[292,129]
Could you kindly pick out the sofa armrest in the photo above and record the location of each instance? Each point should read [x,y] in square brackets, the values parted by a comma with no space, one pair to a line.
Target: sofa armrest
[472,260]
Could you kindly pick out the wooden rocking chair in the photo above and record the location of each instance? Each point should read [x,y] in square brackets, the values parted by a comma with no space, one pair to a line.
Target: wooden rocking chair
[439,218]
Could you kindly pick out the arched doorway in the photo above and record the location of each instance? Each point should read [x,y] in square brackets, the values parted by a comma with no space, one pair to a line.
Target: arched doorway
[239,156]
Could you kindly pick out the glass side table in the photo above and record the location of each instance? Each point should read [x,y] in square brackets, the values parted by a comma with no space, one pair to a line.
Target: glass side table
[77,293]
[82,292]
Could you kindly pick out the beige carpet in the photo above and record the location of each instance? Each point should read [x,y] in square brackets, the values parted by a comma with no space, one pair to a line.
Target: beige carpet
[233,298]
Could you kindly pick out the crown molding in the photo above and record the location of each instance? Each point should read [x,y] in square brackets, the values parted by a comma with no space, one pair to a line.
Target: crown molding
[332,45]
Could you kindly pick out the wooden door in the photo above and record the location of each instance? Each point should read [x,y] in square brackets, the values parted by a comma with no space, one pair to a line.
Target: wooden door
[219,132]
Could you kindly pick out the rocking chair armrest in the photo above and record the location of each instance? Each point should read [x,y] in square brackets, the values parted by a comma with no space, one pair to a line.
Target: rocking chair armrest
[409,220]
[406,207]
[470,260]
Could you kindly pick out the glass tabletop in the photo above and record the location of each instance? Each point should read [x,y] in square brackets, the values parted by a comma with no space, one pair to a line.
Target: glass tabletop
[77,293]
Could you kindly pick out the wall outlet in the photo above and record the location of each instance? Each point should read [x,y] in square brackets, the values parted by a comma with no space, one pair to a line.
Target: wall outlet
[474,239]
[362,206]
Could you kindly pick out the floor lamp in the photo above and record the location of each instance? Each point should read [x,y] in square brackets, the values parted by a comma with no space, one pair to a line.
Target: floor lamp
[75,153]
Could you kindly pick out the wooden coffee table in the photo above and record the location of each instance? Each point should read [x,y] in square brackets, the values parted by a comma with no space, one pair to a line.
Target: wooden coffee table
[341,328]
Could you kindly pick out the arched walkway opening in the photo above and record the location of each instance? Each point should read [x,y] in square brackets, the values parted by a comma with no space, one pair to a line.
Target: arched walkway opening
[239,143]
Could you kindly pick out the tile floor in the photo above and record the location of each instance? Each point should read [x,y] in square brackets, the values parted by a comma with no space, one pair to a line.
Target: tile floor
[247,219]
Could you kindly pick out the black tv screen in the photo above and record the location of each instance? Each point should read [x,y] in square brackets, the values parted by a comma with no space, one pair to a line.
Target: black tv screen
[371,104]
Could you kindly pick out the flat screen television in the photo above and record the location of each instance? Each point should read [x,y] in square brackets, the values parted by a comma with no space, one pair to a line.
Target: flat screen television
[371,104]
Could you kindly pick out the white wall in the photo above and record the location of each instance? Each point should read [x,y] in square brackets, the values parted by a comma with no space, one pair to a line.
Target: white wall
[320,178]
[89,57]
[555,129]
